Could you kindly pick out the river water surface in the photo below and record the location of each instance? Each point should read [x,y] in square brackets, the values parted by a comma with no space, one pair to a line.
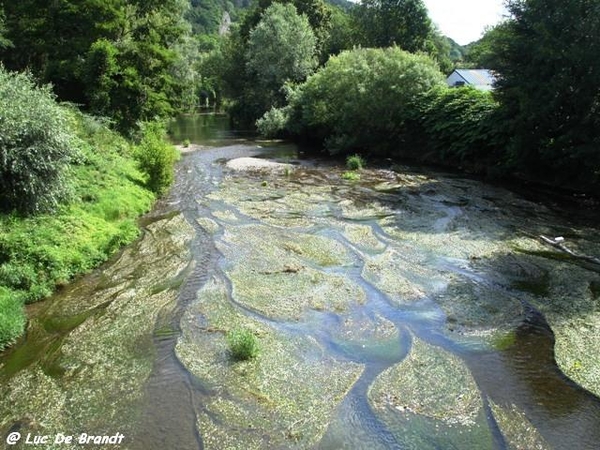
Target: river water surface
[409,309]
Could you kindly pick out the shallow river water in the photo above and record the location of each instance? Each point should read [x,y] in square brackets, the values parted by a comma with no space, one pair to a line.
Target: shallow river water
[410,309]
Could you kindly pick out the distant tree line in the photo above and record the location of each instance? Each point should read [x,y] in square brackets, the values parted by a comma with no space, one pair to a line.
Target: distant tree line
[541,122]
[132,60]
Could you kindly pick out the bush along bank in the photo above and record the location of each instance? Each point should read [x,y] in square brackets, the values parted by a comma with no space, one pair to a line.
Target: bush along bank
[389,103]
[71,192]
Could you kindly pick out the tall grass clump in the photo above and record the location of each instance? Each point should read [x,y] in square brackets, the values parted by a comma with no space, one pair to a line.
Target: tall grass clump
[36,145]
[12,317]
[355,162]
[156,157]
[242,344]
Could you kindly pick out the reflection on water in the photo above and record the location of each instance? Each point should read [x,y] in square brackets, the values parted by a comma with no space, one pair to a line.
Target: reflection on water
[205,129]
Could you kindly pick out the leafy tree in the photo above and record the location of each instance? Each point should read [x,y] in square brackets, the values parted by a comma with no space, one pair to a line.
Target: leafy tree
[484,53]
[317,12]
[549,88]
[405,23]
[156,157]
[4,42]
[362,99]
[384,23]
[66,42]
[460,126]
[281,49]
[255,68]
[341,32]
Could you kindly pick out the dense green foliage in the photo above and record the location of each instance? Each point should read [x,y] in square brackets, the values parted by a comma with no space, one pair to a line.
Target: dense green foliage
[384,23]
[549,88]
[206,16]
[317,12]
[12,317]
[355,162]
[281,49]
[405,23]
[260,57]
[35,146]
[482,53]
[363,99]
[42,251]
[114,56]
[242,343]
[459,127]
[156,157]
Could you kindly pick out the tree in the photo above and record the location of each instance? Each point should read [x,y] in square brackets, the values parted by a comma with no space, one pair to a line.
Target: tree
[484,53]
[281,49]
[341,33]
[405,23]
[115,56]
[4,42]
[549,88]
[362,99]
[383,23]
[317,12]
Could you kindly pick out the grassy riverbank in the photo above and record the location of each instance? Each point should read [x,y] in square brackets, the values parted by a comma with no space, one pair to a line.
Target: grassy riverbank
[41,252]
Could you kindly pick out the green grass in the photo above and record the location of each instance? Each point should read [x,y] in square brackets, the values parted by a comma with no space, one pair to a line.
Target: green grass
[39,253]
[242,344]
[12,318]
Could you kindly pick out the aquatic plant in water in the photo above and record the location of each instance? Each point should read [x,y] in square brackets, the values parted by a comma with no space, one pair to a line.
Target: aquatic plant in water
[242,344]
[351,176]
[355,162]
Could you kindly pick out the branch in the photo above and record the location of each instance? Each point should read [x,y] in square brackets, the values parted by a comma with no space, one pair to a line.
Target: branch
[558,243]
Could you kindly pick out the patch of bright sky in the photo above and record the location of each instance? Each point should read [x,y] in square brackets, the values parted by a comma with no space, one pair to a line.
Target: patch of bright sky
[465,20]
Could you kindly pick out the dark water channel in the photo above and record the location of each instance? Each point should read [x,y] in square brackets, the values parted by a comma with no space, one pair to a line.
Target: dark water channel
[417,310]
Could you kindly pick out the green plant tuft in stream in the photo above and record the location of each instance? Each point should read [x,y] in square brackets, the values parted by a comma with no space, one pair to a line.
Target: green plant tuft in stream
[242,343]
[186,143]
[355,162]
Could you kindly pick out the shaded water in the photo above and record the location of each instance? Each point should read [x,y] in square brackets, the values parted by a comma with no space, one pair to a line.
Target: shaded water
[408,310]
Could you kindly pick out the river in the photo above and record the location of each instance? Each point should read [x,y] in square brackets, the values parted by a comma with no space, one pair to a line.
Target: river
[410,309]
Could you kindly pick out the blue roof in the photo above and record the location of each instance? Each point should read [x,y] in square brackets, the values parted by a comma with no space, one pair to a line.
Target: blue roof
[477,77]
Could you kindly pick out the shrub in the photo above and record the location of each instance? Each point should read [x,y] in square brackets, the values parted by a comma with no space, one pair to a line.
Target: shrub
[355,162]
[460,126]
[363,98]
[156,157]
[242,344]
[186,143]
[35,145]
[12,318]
[273,123]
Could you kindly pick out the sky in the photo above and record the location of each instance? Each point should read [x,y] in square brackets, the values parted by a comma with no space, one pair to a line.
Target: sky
[464,20]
